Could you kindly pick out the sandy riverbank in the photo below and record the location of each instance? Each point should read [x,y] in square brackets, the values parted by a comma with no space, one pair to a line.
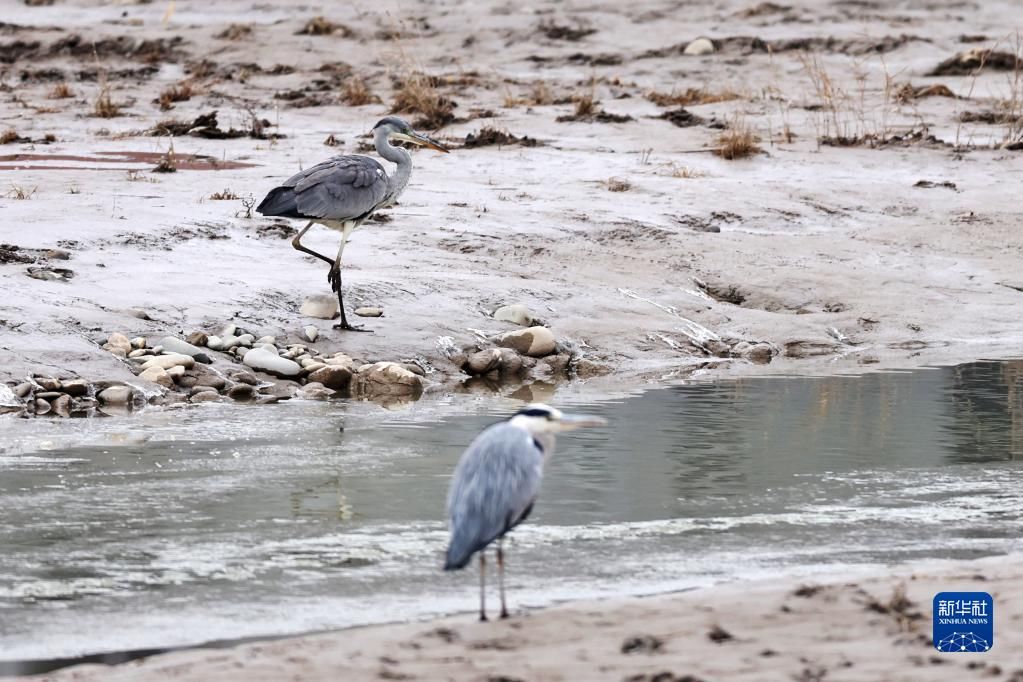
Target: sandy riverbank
[842,258]
[859,626]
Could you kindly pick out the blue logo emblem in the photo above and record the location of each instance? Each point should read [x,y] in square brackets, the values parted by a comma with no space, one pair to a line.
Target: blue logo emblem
[964,621]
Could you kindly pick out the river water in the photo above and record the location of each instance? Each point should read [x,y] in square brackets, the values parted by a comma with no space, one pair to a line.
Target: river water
[177,527]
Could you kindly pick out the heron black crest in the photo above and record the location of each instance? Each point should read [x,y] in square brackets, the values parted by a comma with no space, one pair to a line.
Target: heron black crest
[393,121]
[534,412]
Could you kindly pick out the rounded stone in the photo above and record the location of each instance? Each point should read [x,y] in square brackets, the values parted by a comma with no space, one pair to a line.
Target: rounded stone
[515,313]
[369,312]
[535,342]
[271,363]
[335,377]
[268,339]
[698,47]
[204,397]
[386,379]
[483,361]
[117,395]
[310,333]
[138,342]
[119,340]
[168,361]
[62,405]
[320,306]
[241,392]
[197,338]
[157,375]
[42,407]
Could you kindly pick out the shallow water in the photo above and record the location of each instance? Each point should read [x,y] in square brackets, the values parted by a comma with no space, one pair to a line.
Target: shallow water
[177,527]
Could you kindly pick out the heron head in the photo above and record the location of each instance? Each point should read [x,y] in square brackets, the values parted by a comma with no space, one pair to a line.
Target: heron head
[397,129]
[538,418]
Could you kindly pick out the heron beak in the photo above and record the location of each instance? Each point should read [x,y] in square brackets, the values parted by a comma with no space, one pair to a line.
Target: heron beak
[571,422]
[422,141]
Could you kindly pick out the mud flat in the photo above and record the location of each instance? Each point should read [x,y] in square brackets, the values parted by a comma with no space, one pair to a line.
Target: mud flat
[813,188]
[854,626]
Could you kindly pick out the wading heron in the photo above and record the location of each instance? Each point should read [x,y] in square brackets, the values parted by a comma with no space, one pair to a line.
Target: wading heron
[342,192]
[496,483]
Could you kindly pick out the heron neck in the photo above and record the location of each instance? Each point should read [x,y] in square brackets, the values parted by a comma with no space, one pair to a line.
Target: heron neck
[399,179]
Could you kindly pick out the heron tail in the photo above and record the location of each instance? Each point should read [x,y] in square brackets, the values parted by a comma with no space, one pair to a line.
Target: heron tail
[279,202]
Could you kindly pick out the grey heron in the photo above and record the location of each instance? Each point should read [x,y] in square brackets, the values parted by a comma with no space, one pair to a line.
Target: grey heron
[342,192]
[496,484]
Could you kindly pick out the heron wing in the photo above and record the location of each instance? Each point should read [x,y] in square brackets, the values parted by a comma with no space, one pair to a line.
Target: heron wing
[339,189]
[494,486]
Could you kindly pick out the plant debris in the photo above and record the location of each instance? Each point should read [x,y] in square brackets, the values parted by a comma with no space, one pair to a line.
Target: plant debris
[966,63]
[206,126]
[488,136]
[681,117]
[319,26]
[557,32]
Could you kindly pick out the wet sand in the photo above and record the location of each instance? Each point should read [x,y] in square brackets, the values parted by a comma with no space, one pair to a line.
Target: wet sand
[858,626]
[836,256]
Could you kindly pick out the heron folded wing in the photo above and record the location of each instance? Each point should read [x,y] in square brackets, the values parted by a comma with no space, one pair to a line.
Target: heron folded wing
[346,188]
[495,483]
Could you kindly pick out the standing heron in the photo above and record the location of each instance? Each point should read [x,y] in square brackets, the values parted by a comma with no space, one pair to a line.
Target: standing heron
[496,483]
[342,192]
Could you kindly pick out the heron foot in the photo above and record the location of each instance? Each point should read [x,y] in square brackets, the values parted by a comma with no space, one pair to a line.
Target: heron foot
[504,614]
[483,618]
[344,326]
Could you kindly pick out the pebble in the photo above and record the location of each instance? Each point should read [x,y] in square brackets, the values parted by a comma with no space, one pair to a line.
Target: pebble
[229,330]
[48,383]
[586,368]
[118,340]
[369,312]
[511,362]
[535,342]
[335,377]
[320,306]
[386,378]
[311,365]
[484,361]
[42,407]
[158,375]
[199,389]
[245,377]
[138,342]
[698,47]
[272,340]
[197,338]
[23,389]
[203,358]
[48,395]
[117,395]
[246,340]
[515,313]
[117,352]
[215,343]
[62,405]
[271,363]
[310,333]
[176,372]
[168,361]
[284,389]
[241,392]
[204,397]
[138,353]
[316,393]
[173,345]
[340,359]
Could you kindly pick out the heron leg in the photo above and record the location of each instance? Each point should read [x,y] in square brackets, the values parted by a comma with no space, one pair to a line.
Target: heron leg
[297,243]
[483,580]
[500,577]
[334,277]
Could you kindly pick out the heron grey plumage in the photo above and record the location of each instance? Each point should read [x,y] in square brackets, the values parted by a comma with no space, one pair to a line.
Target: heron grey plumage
[342,192]
[496,483]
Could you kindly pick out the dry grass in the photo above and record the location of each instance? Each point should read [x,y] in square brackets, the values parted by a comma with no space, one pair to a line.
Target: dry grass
[737,141]
[104,106]
[167,163]
[617,185]
[137,176]
[235,32]
[539,95]
[319,26]
[417,93]
[182,92]
[684,172]
[20,193]
[356,93]
[61,91]
[690,96]
[844,117]
[1011,109]
[9,136]
[225,195]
